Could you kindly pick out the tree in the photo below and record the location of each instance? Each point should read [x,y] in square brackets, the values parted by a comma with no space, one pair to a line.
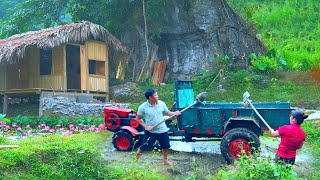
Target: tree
[34,15]
[5,5]
[116,15]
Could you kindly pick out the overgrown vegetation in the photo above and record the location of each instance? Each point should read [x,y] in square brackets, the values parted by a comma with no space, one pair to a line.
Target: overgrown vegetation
[65,157]
[54,157]
[113,14]
[312,128]
[79,156]
[22,120]
[288,28]
[256,168]
[296,87]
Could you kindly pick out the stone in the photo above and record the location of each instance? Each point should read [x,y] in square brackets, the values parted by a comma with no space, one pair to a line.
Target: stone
[189,36]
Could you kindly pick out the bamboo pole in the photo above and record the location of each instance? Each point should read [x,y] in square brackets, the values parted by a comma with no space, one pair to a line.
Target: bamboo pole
[8,146]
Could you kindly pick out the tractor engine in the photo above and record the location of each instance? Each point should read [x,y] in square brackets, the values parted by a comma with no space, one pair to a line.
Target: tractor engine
[116,117]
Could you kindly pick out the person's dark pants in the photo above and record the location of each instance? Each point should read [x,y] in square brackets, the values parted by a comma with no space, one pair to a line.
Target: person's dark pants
[149,139]
[281,160]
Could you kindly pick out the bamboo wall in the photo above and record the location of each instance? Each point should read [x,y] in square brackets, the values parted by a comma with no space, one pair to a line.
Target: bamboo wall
[97,83]
[98,51]
[15,80]
[56,80]
[26,74]
[2,77]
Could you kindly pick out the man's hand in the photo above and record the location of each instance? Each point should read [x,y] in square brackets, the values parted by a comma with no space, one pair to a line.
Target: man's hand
[177,113]
[149,128]
[274,133]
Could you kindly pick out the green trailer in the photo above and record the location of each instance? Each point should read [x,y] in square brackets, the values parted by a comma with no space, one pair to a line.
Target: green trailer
[235,124]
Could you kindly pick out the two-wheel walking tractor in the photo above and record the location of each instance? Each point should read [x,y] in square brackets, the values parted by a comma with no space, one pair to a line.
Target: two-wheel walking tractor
[235,124]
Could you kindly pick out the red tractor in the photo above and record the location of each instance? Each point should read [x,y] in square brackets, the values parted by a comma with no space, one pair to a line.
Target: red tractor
[237,125]
[126,127]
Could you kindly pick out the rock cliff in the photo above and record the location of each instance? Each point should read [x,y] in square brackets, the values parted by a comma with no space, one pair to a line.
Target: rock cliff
[194,31]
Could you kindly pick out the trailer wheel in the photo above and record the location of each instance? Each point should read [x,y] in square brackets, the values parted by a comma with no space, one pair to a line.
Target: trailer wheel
[123,141]
[237,142]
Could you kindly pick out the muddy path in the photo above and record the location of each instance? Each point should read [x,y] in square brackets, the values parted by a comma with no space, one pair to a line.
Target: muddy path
[202,158]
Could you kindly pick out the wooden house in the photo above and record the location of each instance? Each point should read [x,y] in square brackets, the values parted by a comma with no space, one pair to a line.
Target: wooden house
[72,57]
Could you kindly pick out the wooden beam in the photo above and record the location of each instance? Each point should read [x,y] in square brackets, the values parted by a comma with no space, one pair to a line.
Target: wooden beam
[107,73]
[8,146]
[83,68]
[5,104]
[65,67]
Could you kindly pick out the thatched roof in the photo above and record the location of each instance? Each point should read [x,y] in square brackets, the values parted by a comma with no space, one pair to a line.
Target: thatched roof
[14,47]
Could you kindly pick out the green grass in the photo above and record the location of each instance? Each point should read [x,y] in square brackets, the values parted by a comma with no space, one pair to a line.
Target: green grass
[312,129]
[54,157]
[66,157]
[296,87]
[76,156]
[290,27]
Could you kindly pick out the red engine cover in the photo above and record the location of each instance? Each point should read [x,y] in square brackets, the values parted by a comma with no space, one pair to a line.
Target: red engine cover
[122,112]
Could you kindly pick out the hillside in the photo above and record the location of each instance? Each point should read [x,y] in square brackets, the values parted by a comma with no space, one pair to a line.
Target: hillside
[288,27]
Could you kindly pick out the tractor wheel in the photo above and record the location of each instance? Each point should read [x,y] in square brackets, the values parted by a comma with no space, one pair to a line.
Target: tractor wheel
[238,142]
[122,140]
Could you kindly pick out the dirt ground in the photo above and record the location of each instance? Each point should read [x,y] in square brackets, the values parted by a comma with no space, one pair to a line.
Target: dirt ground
[185,163]
[202,158]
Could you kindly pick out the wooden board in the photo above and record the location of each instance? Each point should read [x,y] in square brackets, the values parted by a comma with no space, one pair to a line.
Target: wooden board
[3,77]
[49,82]
[8,146]
[13,76]
[33,65]
[84,68]
[107,73]
[158,72]
[58,60]
[97,83]
[23,66]
[96,50]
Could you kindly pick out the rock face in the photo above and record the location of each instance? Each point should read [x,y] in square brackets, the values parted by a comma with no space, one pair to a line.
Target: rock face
[194,32]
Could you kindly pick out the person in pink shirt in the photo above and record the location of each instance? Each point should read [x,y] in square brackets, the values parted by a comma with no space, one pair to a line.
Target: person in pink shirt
[292,138]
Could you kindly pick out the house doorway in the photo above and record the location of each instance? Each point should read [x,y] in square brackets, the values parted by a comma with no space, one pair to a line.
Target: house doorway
[73,67]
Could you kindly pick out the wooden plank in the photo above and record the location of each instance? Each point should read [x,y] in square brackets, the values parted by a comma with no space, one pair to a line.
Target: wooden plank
[64,58]
[23,66]
[3,77]
[33,66]
[58,60]
[13,76]
[8,146]
[107,73]
[5,104]
[96,50]
[158,72]
[49,81]
[97,83]
[84,68]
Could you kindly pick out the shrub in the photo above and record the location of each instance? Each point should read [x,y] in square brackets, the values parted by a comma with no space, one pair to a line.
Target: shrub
[54,157]
[256,168]
[265,64]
